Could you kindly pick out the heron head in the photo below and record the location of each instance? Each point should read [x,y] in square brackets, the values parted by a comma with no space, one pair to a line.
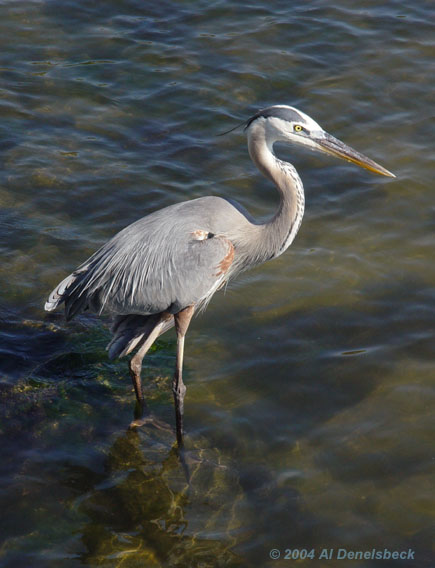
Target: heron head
[283,123]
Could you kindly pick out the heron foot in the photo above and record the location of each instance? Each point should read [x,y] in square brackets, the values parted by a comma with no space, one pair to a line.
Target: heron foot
[150,420]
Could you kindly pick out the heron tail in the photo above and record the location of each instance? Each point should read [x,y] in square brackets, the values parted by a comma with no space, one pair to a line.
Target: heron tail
[57,296]
[69,291]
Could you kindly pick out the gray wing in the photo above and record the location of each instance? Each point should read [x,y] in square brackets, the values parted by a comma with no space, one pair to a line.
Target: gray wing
[164,262]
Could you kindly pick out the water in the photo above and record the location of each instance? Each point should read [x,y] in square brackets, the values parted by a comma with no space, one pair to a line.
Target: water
[308,409]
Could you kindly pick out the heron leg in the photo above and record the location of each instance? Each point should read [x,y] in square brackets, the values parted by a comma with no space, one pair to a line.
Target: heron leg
[135,364]
[182,321]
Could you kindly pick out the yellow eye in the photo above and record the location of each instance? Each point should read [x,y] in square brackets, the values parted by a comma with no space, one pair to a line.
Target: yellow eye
[297,128]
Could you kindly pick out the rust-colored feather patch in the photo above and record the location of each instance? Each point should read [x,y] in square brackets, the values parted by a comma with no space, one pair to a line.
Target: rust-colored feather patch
[227,260]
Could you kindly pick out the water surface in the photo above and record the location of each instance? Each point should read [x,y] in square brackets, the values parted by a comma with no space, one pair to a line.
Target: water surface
[308,409]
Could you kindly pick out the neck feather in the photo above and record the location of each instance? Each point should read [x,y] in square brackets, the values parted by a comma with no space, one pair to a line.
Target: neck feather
[278,233]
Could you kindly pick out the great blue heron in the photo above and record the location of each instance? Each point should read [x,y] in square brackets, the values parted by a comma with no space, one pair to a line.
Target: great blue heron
[158,271]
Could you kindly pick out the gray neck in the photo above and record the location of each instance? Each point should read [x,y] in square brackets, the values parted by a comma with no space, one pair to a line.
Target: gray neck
[275,236]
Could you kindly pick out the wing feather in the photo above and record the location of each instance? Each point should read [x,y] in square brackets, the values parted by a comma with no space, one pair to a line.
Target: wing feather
[163,262]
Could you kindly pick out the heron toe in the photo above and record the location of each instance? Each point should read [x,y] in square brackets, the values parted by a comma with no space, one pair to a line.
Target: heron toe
[150,420]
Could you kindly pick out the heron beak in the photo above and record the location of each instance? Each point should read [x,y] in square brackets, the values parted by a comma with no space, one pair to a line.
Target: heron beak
[335,147]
